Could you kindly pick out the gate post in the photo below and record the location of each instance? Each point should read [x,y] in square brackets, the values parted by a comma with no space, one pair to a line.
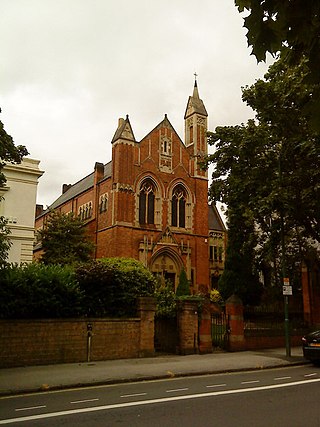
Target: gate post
[234,309]
[205,336]
[188,327]
[146,310]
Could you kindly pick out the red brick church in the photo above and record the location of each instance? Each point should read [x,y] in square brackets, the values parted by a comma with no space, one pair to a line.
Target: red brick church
[150,202]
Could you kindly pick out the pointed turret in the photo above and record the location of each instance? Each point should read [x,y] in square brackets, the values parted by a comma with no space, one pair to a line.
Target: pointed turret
[195,120]
[124,132]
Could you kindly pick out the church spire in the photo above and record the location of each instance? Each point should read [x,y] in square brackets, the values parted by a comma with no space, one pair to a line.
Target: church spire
[195,122]
[195,88]
[195,104]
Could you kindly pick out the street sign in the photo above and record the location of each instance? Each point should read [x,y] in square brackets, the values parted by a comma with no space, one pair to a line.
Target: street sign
[286,288]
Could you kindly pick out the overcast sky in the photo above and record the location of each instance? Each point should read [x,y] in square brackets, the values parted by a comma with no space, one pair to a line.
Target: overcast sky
[70,68]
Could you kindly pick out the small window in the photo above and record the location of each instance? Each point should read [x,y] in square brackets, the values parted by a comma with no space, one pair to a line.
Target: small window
[166,147]
[211,253]
[191,134]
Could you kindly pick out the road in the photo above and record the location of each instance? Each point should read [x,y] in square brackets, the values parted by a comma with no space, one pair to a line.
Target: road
[275,397]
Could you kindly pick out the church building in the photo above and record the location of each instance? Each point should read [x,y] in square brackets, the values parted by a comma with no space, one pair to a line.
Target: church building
[150,202]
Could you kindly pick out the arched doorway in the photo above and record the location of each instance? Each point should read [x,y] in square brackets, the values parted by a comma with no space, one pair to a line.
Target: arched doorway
[167,263]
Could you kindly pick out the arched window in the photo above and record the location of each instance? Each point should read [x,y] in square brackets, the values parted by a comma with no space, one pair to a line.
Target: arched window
[178,207]
[146,203]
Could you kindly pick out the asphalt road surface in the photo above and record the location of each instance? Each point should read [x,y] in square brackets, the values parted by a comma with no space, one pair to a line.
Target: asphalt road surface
[270,398]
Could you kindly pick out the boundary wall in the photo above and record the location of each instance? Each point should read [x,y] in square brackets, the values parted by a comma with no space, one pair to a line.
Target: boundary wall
[26,342]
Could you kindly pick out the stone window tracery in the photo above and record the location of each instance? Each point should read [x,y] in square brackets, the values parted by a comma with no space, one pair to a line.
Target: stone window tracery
[178,207]
[85,211]
[165,158]
[147,203]
[103,203]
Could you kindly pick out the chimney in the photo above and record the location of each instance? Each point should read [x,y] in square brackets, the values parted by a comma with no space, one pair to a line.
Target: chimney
[66,187]
[39,210]
[98,172]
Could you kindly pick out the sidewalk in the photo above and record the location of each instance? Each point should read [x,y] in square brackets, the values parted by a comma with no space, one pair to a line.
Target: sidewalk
[53,377]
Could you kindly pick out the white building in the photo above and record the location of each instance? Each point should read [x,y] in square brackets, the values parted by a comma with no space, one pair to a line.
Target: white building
[18,207]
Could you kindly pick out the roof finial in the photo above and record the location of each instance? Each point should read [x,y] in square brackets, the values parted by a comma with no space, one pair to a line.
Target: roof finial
[195,78]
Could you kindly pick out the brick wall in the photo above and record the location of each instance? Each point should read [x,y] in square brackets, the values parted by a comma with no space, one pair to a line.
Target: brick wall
[261,342]
[39,342]
[240,339]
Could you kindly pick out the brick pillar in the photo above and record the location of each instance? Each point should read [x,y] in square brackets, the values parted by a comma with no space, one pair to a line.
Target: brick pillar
[188,327]
[146,311]
[307,311]
[205,336]
[234,309]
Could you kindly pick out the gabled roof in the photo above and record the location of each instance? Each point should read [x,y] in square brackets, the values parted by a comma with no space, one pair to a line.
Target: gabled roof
[215,220]
[79,187]
[166,122]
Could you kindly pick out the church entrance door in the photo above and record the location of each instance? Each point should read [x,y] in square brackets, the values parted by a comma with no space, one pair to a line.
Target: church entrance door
[167,265]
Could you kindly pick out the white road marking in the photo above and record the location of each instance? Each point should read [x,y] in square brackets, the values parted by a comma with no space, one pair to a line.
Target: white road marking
[250,382]
[30,408]
[134,395]
[176,390]
[83,401]
[281,378]
[314,374]
[216,385]
[155,401]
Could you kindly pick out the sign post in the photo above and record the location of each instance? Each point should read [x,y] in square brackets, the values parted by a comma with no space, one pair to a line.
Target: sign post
[287,290]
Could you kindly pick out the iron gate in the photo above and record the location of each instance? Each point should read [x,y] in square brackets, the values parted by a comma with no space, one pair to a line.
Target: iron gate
[220,330]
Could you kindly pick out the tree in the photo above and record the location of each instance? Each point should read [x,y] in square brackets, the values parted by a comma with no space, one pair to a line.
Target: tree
[9,152]
[64,240]
[5,242]
[267,172]
[290,28]
[14,154]
[183,285]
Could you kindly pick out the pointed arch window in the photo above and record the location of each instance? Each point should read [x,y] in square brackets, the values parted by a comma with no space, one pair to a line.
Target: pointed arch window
[178,207]
[146,203]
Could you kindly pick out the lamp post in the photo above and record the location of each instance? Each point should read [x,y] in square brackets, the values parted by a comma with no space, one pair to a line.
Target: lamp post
[285,282]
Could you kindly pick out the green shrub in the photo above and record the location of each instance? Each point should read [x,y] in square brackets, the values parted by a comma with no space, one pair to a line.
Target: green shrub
[112,286]
[183,286]
[215,296]
[166,305]
[39,291]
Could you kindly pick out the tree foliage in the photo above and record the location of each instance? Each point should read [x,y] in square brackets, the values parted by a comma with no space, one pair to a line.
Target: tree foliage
[9,152]
[13,154]
[5,242]
[266,170]
[64,240]
[290,28]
